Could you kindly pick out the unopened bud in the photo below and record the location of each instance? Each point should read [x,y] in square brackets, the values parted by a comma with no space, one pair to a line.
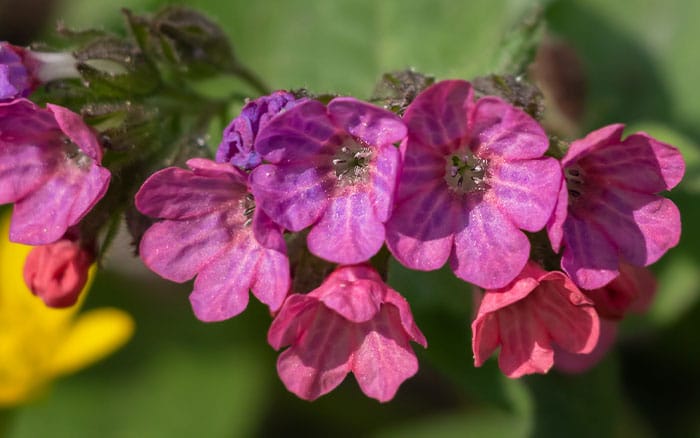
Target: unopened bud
[57,272]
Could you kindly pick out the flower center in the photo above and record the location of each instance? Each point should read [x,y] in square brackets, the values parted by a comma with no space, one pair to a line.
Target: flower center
[75,154]
[574,176]
[248,207]
[351,162]
[466,173]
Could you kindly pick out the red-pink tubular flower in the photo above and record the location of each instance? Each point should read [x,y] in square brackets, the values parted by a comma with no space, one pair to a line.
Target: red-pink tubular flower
[354,323]
[474,176]
[609,211]
[50,168]
[537,311]
[57,272]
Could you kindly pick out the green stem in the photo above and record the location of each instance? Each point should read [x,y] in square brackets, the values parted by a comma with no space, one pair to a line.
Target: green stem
[251,78]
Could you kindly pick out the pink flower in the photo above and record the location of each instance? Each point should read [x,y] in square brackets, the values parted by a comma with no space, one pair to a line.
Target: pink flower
[529,317]
[609,210]
[212,229]
[333,168]
[353,323]
[473,177]
[57,272]
[50,168]
[239,136]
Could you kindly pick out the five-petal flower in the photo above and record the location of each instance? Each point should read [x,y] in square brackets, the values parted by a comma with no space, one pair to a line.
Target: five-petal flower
[473,176]
[354,323]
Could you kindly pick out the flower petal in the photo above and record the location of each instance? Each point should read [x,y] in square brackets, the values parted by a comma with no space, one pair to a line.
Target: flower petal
[321,359]
[437,118]
[75,128]
[640,163]
[490,251]
[221,290]
[290,323]
[298,135]
[383,179]
[175,193]
[292,195]
[384,359]
[373,125]
[485,337]
[589,258]
[23,169]
[420,233]
[348,231]
[569,317]
[600,138]
[579,363]
[526,191]
[272,280]
[525,344]
[354,292]
[409,325]
[498,129]
[64,200]
[555,225]
[177,250]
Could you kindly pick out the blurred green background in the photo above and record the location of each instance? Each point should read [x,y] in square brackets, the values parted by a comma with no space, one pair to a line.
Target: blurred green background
[180,377]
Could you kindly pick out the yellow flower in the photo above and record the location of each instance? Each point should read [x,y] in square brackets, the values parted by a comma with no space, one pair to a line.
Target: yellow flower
[39,344]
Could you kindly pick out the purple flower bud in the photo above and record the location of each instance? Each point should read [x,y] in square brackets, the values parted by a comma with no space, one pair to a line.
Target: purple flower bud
[22,70]
[15,78]
[237,144]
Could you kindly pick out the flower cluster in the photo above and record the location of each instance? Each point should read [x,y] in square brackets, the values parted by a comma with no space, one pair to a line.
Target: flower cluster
[556,241]
[458,180]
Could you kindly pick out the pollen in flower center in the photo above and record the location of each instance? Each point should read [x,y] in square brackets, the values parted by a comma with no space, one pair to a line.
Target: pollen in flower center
[574,176]
[248,207]
[74,153]
[466,173]
[351,162]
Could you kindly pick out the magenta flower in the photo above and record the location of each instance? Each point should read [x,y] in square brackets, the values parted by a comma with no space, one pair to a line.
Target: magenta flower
[529,317]
[237,144]
[334,168]
[15,79]
[609,209]
[50,168]
[473,176]
[212,229]
[353,323]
